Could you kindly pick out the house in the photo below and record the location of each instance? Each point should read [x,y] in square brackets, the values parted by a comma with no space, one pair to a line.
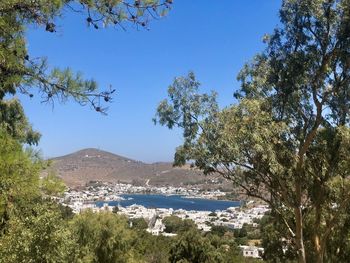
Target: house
[252,251]
[157,228]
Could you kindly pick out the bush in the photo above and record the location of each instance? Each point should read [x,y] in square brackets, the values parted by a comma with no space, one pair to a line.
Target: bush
[174,224]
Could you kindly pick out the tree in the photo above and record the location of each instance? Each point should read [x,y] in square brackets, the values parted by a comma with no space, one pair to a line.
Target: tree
[276,249]
[286,140]
[102,237]
[52,185]
[41,236]
[193,247]
[19,178]
[220,230]
[32,229]
[139,224]
[21,73]
[226,246]
[152,249]
[174,224]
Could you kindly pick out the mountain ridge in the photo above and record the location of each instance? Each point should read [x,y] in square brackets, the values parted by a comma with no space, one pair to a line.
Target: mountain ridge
[91,164]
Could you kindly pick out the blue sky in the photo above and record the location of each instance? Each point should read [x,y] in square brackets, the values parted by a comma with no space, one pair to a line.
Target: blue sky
[212,38]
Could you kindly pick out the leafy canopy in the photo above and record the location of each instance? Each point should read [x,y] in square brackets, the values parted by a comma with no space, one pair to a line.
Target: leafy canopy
[286,140]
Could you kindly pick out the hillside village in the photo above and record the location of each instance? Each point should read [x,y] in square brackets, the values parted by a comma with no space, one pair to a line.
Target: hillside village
[234,115]
[234,217]
[97,178]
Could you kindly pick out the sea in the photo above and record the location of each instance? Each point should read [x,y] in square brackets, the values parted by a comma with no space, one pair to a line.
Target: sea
[172,201]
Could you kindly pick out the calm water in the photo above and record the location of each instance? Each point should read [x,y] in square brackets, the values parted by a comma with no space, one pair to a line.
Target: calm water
[173,201]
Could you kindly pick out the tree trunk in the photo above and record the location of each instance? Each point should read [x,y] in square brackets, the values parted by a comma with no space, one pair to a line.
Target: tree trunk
[318,249]
[299,239]
[317,240]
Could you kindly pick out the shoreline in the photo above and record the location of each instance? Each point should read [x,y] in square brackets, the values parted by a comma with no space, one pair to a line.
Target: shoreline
[201,197]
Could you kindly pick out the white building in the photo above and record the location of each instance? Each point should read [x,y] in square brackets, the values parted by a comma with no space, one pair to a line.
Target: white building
[252,251]
[157,229]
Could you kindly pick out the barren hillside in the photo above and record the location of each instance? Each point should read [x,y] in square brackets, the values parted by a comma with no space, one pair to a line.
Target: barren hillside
[87,165]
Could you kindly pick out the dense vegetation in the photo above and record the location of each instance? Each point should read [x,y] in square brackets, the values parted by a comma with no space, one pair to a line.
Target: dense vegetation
[33,227]
[36,229]
[286,141]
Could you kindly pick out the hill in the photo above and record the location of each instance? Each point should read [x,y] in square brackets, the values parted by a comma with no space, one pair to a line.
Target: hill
[87,165]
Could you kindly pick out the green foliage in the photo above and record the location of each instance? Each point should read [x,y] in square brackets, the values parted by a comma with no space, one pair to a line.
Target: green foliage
[174,224]
[66,211]
[242,232]
[32,228]
[139,223]
[193,247]
[220,230]
[19,177]
[33,76]
[338,249]
[14,122]
[41,236]
[286,139]
[276,249]
[152,249]
[188,109]
[52,185]
[102,237]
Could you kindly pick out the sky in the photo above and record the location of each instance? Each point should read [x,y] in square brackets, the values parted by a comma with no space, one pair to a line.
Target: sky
[213,38]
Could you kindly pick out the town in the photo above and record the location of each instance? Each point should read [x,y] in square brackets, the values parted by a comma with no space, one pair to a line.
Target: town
[96,197]
[104,191]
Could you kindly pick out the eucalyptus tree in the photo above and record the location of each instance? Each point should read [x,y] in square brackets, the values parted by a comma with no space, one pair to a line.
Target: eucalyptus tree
[286,139]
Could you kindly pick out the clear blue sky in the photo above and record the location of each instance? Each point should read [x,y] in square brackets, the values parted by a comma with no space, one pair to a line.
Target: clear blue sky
[212,38]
